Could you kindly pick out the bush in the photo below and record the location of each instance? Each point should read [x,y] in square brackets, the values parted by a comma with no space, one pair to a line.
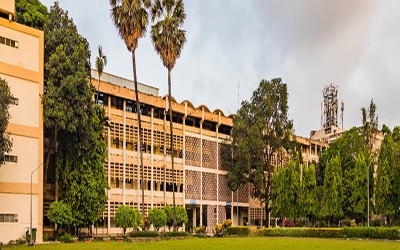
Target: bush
[238,230]
[289,223]
[376,223]
[176,234]
[302,232]
[157,217]
[66,238]
[126,217]
[345,223]
[391,233]
[200,231]
[144,234]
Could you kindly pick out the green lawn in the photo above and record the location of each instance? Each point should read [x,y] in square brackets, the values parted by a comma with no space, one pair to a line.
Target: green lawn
[251,243]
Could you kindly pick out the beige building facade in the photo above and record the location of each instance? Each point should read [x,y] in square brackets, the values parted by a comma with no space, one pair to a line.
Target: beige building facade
[21,65]
[201,180]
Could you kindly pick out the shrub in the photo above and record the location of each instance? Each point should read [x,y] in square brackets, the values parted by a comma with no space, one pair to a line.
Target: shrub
[302,232]
[66,238]
[144,234]
[345,222]
[145,223]
[391,233]
[176,234]
[157,217]
[181,216]
[126,217]
[218,230]
[60,213]
[289,223]
[376,223]
[238,230]
[200,231]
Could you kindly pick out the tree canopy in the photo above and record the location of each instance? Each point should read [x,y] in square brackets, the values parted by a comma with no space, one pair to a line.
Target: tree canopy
[6,99]
[262,138]
[73,124]
[31,13]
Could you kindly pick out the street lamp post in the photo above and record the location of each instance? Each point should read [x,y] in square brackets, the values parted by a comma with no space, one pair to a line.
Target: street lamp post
[30,228]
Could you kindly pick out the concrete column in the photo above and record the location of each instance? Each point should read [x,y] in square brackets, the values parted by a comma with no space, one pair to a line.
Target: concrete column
[108,168]
[152,157]
[124,156]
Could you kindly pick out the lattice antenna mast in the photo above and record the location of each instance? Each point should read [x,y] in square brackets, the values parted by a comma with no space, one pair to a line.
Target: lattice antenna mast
[330,106]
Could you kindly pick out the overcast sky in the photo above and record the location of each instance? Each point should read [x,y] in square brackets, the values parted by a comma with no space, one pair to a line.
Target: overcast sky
[232,45]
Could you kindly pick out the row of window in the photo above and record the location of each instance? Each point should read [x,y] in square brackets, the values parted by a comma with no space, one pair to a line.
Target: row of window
[8,217]
[9,42]
[11,158]
[145,109]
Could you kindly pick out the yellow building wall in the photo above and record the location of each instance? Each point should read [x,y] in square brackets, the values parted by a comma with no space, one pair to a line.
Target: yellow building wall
[23,68]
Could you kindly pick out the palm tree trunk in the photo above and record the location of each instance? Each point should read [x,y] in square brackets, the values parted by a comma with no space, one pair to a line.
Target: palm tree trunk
[172,144]
[140,128]
[98,90]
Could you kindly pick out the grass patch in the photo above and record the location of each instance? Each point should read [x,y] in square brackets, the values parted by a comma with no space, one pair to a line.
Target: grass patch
[230,243]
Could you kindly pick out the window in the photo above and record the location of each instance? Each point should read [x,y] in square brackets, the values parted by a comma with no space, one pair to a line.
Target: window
[11,158]
[14,101]
[8,217]
[9,42]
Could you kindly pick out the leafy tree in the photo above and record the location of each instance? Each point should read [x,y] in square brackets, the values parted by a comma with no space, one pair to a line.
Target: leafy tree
[348,146]
[308,194]
[181,216]
[74,125]
[6,99]
[261,134]
[127,217]
[285,194]
[61,214]
[131,18]
[370,125]
[387,188]
[157,217]
[168,40]
[101,62]
[333,190]
[31,13]
[358,196]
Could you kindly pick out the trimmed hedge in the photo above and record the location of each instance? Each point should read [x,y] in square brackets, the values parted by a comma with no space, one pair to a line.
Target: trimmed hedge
[176,234]
[143,234]
[302,232]
[391,233]
[238,230]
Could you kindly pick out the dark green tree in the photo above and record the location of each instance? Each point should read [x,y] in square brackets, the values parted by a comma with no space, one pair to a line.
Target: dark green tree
[387,189]
[131,18]
[370,125]
[262,138]
[333,190]
[73,123]
[31,13]
[308,196]
[358,185]
[348,146]
[168,39]
[6,100]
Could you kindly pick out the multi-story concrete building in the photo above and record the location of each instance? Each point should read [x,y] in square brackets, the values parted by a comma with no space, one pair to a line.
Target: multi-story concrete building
[21,177]
[201,183]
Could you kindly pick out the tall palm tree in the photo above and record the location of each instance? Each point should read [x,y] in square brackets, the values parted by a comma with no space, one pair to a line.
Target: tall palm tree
[101,62]
[131,18]
[168,40]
